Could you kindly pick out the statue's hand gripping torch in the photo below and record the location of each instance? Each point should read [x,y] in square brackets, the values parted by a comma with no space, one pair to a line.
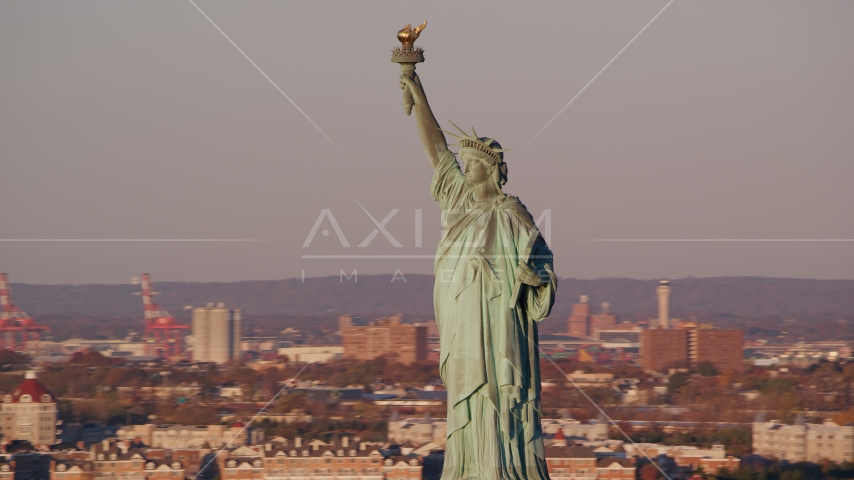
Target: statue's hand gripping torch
[407,56]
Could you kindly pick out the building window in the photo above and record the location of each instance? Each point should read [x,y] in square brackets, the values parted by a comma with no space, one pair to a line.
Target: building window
[26,398]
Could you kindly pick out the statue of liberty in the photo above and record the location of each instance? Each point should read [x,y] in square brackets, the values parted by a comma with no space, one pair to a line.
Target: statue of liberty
[494,282]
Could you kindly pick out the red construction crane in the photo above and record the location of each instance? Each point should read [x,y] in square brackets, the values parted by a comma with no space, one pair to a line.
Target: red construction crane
[162,333]
[17,329]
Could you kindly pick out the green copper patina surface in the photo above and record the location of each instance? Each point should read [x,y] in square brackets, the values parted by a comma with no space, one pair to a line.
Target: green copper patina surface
[489,357]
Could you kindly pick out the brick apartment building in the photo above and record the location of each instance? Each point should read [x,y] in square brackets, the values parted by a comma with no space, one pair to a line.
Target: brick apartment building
[722,347]
[690,345]
[583,323]
[385,336]
[662,349]
[579,320]
[582,463]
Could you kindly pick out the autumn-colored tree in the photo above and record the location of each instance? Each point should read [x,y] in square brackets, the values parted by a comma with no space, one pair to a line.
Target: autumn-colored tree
[649,472]
[677,381]
[844,417]
[130,377]
[707,369]
[9,358]
[94,359]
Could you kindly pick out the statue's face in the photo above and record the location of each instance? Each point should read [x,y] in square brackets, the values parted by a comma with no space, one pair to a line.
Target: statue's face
[477,171]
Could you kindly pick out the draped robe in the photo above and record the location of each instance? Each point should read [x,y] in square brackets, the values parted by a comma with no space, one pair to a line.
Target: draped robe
[489,360]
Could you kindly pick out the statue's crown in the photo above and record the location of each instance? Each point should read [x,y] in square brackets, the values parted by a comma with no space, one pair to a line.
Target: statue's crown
[483,144]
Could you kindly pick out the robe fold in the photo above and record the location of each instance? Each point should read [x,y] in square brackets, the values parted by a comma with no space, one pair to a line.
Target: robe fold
[489,359]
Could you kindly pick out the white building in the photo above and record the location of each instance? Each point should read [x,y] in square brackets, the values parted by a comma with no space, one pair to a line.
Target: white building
[582,379]
[417,431]
[216,333]
[312,354]
[423,430]
[803,441]
[192,436]
[594,430]
[29,413]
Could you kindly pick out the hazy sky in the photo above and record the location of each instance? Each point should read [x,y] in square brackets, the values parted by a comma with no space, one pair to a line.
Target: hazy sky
[139,120]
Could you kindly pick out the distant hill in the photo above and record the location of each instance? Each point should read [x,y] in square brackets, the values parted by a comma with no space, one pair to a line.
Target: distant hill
[376,294]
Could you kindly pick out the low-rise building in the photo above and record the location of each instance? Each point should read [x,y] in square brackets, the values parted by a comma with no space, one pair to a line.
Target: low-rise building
[293,460]
[582,379]
[570,428]
[803,441]
[192,436]
[29,413]
[312,354]
[709,459]
[570,462]
[422,430]
[417,431]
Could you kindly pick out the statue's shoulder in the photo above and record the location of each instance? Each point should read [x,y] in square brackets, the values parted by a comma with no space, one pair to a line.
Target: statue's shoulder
[516,209]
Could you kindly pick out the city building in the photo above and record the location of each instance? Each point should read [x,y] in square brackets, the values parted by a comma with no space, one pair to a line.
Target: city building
[582,463]
[385,336]
[664,349]
[722,347]
[281,459]
[582,379]
[602,321]
[803,441]
[709,459]
[422,430]
[216,333]
[417,431]
[29,413]
[312,354]
[579,320]
[191,436]
[570,428]
[294,460]
[688,344]
[624,335]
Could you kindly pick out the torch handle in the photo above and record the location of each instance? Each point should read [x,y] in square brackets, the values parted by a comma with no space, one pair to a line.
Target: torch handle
[408,69]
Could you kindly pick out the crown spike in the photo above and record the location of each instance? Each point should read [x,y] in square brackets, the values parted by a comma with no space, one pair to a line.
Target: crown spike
[474,133]
[458,128]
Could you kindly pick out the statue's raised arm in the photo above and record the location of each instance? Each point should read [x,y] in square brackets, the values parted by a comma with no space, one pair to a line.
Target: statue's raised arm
[431,136]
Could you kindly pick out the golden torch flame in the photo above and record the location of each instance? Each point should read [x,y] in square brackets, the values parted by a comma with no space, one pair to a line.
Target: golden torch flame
[407,35]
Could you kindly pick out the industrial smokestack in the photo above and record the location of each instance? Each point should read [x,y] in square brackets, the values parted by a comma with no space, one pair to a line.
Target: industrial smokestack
[663,292]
